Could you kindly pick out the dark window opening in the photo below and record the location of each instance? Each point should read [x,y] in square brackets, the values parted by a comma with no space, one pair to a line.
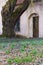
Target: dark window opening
[17,26]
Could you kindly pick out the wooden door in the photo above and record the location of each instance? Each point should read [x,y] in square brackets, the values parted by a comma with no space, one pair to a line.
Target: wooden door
[36,26]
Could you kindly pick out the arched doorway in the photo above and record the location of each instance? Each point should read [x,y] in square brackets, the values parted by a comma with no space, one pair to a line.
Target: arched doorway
[35,25]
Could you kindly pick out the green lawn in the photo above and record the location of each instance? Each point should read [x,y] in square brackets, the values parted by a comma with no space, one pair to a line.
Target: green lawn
[26,50]
[5,41]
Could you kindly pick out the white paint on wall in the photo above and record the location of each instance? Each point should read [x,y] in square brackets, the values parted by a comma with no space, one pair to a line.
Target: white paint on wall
[26,25]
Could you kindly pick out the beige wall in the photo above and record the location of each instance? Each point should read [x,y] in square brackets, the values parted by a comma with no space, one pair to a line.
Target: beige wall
[26,24]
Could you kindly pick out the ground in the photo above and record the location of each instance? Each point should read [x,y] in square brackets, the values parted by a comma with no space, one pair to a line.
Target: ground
[20,51]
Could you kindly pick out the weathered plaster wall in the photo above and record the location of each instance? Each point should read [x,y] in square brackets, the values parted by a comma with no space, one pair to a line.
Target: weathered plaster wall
[26,24]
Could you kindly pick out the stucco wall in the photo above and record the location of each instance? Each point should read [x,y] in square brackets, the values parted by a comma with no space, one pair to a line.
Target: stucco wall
[26,24]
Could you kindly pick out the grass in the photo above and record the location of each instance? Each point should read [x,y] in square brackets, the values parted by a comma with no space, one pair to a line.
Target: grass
[7,51]
[30,49]
[19,60]
[34,52]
